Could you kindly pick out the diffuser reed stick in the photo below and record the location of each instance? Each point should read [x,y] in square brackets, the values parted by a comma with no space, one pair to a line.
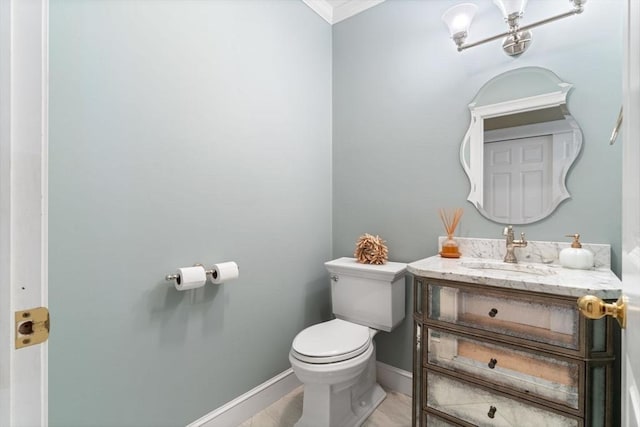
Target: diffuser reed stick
[450,221]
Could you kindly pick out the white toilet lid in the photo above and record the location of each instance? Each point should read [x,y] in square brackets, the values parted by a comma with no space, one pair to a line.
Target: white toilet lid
[331,341]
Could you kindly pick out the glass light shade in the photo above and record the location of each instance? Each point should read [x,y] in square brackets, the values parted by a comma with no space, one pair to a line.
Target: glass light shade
[458,18]
[508,7]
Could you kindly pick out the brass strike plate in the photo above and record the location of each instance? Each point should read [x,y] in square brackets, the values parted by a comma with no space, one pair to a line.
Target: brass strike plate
[32,327]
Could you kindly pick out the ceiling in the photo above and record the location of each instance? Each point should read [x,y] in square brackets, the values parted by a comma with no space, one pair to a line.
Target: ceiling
[334,11]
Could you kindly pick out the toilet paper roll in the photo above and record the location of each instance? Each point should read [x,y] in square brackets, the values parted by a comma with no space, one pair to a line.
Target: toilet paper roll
[190,278]
[224,272]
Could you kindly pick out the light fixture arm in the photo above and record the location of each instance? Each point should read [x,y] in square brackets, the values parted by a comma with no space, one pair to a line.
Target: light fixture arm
[483,41]
[575,11]
[515,30]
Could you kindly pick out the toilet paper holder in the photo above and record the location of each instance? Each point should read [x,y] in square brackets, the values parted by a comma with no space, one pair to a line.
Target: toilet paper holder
[210,274]
[172,277]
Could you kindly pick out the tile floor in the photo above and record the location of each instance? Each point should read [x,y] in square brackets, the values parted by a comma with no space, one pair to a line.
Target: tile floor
[394,411]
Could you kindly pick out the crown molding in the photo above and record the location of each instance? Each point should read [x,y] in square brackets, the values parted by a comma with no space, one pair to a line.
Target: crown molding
[334,14]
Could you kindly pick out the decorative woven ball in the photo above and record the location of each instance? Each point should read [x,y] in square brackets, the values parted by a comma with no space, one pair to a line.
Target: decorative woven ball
[371,250]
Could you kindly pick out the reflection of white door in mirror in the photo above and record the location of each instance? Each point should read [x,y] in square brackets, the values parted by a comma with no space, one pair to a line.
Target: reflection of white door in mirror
[517,175]
[520,145]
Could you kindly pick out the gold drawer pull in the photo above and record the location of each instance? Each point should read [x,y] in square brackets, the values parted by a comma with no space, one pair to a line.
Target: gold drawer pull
[492,363]
[493,312]
[492,412]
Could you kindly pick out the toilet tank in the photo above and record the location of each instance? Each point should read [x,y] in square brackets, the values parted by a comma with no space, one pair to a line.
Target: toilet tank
[367,294]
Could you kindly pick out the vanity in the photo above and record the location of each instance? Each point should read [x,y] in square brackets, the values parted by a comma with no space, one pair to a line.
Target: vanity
[503,344]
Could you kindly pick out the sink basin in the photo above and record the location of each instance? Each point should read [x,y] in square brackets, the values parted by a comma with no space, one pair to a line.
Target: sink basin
[536,270]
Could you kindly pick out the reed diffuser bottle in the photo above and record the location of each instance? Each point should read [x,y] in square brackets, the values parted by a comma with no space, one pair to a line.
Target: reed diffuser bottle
[450,220]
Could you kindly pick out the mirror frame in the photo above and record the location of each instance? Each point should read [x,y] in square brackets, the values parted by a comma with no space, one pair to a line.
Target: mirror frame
[473,141]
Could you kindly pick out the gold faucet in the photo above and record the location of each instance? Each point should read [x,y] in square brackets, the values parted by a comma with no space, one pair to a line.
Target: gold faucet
[510,256]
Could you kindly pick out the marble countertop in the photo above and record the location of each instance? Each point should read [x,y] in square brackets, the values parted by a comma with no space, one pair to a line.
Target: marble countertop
[535,252]
[536,277]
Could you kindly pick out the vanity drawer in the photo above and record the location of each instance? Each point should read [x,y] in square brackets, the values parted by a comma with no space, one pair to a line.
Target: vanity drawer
[482,407]
[553,378]
[431,420]
[528,318]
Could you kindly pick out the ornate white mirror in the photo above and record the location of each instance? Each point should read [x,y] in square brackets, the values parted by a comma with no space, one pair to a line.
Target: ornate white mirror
[520,145]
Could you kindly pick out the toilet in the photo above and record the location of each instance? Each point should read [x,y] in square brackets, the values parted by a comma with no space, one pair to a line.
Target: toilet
[336,360]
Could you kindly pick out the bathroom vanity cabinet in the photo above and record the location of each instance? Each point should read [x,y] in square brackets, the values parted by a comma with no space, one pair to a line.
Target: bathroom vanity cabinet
[490,355]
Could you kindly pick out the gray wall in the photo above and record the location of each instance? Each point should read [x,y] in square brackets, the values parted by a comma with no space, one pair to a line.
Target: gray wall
[181,132]
[201,131]
[400,96]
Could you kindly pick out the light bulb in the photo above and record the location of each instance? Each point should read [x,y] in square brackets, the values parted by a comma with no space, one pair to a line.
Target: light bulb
[459,17]
[510,7]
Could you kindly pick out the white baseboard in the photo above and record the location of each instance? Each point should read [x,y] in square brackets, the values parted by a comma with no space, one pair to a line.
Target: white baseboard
[255,400]
[243,407]
[395,379]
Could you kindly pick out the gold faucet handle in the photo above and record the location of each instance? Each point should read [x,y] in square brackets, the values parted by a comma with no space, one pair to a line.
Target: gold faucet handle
[522,237]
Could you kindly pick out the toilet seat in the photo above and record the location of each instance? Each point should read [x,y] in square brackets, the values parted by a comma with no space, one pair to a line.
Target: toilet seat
[330,342]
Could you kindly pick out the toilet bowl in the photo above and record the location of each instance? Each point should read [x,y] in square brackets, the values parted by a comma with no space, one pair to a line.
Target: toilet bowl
[339,385]
[336,360]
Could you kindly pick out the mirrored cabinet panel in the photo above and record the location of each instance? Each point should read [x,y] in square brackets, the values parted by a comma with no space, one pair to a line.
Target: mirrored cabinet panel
[523,317]
[556,379]
[480,406]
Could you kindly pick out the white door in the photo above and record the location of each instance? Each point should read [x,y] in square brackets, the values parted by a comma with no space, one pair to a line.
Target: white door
[23,205]
[631,219]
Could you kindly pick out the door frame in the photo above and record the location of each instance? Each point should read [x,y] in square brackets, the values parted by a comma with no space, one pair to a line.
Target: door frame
[24,88]
[630,367]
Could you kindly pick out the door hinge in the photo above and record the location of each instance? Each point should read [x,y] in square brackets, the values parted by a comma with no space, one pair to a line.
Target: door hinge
[32,326]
